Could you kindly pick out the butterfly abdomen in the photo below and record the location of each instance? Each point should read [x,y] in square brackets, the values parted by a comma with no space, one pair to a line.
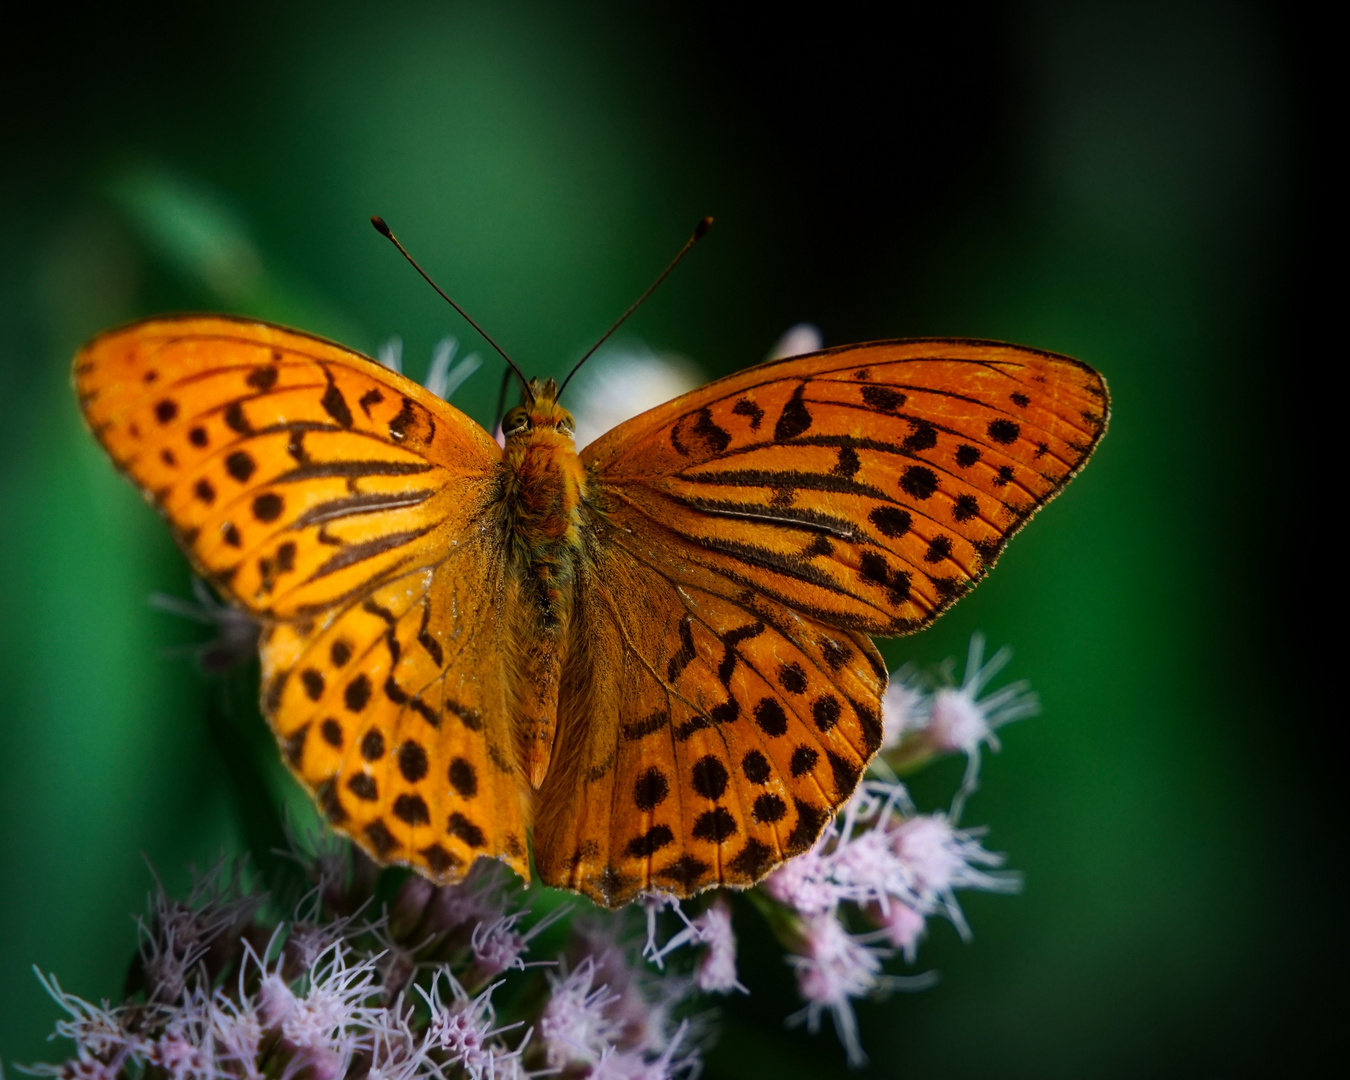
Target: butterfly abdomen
[545,487]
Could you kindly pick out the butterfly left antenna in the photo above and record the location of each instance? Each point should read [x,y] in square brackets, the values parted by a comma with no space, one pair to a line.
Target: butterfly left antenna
[699,232]
[388,233]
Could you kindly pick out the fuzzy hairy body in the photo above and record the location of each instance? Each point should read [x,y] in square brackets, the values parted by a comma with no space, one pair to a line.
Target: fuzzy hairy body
[543,485]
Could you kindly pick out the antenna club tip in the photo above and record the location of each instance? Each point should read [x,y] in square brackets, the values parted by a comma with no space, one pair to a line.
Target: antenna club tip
[703,227]
[383,229]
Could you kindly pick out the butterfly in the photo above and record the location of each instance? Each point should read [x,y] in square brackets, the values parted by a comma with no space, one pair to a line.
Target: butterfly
[652,659]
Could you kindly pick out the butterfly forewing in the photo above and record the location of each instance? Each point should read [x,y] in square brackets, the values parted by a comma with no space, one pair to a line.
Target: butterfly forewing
[869,486]
[351,511]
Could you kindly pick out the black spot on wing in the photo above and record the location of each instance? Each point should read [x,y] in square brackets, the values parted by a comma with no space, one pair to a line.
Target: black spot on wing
[634,730]
[262,378]
[882,398]
[756,767]
[464,829]
[753,861]
[717,826]
[768,808]
[923,437]
[334,404]
[369,398]
[891,520]
[811,820]
[699,434]
[918,481]
[412,810]
[399,425]
[709,777]
[746,407]
[650,789]
[463,778]
[372,745]
[412,761]
[795,417]
[650,842]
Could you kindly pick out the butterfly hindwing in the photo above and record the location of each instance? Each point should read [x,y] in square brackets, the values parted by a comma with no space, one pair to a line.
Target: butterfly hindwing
[351,511]
[393,710]
[868,486]
[706,733]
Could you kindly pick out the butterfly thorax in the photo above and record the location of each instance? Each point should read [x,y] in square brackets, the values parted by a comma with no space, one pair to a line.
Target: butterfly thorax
[544,485]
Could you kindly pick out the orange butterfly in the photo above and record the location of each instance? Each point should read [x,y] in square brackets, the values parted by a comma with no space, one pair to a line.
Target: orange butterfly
[653,656]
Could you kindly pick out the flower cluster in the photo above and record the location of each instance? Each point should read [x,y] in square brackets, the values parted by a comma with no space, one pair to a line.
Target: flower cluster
[882,869]
[337,990]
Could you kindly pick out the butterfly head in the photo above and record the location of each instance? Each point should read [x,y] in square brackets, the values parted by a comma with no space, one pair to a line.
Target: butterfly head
[541,415]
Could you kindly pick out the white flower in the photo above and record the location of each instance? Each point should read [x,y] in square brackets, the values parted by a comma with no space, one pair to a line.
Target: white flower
[715,972]
[797,341]
[617,384]
[237,1032]
[634,1065]
[178,934]
[442,379]
[390,354]
[962,721]
[904,708]
[100,1038]
[940,859]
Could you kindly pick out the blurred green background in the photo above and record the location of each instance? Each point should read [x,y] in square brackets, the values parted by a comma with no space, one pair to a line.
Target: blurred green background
[1125,183]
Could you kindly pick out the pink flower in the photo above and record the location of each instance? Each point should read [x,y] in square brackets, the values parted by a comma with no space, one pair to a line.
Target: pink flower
[902,925]
[833,967]
[465,1028]
[97,1031]
[498,946]
[805,883]
[634,1065]
[940,859]
[575,1026]
[716,970]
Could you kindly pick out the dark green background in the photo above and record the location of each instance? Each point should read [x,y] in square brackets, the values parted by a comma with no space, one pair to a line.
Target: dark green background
[1127,184]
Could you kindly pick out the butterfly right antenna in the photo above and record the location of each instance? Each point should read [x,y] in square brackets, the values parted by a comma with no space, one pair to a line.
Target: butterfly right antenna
[388,234]
[699,231]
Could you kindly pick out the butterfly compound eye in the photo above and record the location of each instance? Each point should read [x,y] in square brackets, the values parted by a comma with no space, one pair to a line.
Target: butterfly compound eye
[515,421]
[566,424]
